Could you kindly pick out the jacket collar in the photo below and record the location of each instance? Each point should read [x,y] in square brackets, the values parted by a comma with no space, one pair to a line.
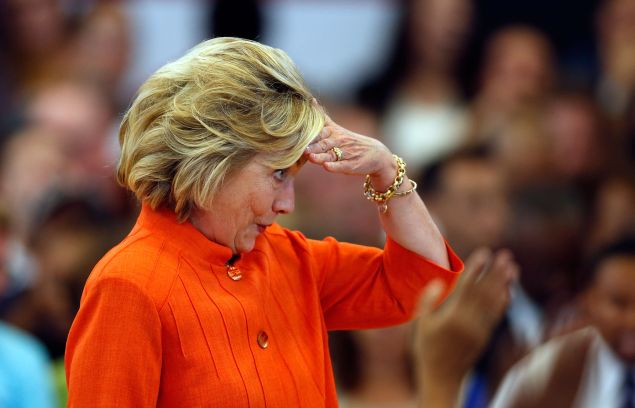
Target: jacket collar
[182,235]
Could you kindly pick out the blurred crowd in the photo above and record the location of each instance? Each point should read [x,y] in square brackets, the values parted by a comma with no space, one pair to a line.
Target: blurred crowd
[528,145]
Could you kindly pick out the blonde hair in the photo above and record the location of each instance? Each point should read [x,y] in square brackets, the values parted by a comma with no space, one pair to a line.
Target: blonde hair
[204,116]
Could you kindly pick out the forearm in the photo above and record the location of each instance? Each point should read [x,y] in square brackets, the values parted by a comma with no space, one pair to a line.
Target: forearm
[408,222]
[438,394]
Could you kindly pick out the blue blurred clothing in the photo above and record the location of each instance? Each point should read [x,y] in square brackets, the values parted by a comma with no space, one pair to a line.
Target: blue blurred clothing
[25,371]
[476,394]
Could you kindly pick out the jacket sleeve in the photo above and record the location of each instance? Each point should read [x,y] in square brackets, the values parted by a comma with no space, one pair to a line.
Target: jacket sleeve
[362,287]
[113,353]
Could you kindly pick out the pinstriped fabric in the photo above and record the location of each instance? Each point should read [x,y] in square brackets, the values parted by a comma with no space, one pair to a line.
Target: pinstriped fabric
[300,358]
[234,315]
[164,325]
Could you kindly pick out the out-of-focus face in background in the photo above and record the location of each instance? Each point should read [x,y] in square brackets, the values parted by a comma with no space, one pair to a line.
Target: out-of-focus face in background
[616,27]
[614,212]
[102,46]
[439,30]
[515,78]
[471,205]
[611,304]
[522,150]
[33,164]
[544,233]
[37,26]
[81,118]
[517,68]
[573,126]
[37,34]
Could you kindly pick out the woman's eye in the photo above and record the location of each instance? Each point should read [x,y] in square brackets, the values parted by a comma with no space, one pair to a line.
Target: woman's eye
[280,174]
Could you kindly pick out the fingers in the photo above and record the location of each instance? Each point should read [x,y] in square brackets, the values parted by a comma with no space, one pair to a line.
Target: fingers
[323,158]
[492,292]
[474,266]
[502,270]
[430,297]
[361,154]
[321,142]
[335,166]
[320,150]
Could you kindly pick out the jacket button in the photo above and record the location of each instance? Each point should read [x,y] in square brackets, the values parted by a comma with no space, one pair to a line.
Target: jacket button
[234,273]
[263,339]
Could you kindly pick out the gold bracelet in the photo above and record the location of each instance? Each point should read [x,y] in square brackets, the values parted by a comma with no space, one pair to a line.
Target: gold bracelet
[413,188]
[380,198]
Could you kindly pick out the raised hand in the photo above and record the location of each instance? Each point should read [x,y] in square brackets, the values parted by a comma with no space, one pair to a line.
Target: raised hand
[339,150]
[450,338]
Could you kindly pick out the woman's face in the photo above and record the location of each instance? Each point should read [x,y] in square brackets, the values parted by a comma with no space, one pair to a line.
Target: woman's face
[247,204]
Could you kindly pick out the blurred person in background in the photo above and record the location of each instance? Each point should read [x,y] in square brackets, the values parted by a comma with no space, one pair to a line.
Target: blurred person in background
[627,138]
[37,38]
[418,96]
[467,196]
[326,197]
[580,139]
[546,235]
[522,150]
[100,51]
[543,232]
[450,337]
[613,211]
[516,74]
[213,154]
[546,232]
[373,368]
[71,233]
[68,235]
[616,83]
[79,114]
[590,367]
[25,380]
[616,45]
[33,163]
[376,366]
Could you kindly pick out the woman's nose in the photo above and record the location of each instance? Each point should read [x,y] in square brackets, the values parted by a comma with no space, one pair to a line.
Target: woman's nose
[285,201]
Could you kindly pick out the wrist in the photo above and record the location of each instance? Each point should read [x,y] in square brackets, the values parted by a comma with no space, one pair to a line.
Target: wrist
[385,176]
[439,393]
[394,189]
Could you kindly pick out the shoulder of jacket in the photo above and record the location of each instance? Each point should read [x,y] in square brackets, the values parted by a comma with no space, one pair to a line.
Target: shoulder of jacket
[144,260]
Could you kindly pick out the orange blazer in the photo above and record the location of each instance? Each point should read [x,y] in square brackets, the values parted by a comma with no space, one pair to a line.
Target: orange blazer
[165,322]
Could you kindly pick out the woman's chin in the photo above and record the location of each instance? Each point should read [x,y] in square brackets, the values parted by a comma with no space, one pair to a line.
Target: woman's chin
[246,244]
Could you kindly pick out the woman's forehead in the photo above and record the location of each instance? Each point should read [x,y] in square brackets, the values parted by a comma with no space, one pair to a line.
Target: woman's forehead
[266,160]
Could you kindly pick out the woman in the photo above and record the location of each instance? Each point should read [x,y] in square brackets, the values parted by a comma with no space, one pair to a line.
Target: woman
[209,303]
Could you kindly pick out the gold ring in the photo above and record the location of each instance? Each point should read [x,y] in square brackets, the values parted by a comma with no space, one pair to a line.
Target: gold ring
[338,153]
